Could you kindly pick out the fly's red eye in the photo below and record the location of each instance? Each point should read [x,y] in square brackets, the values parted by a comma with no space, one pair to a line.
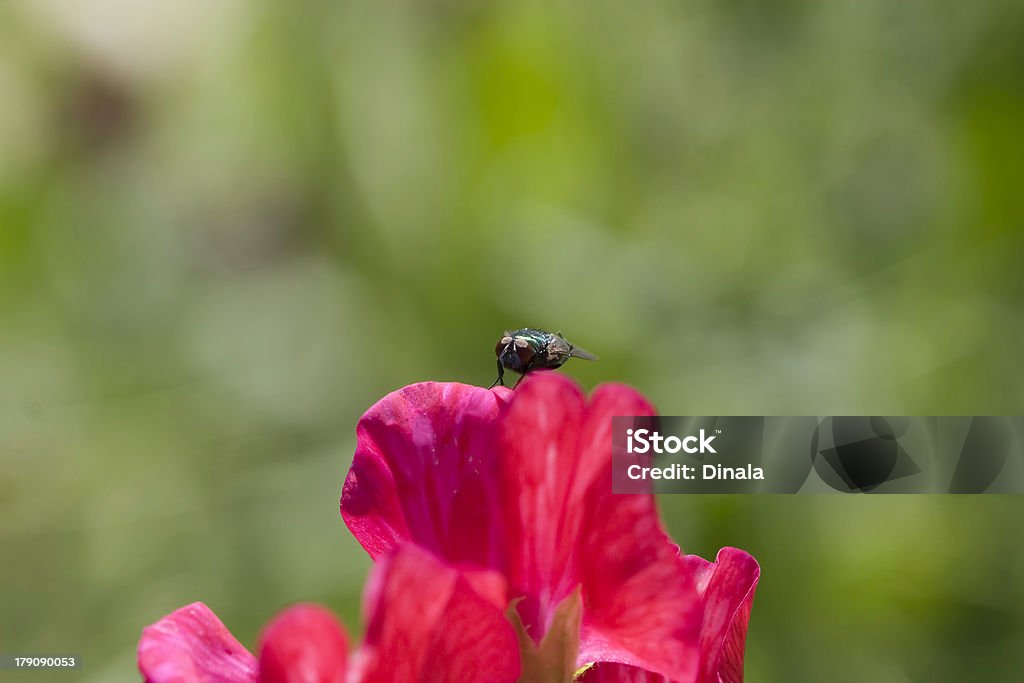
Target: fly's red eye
[525,354]
[502,343]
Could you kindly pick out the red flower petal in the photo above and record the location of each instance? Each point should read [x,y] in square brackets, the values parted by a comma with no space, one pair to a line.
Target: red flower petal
[544,482]
[425,470]
[727,588]
[567,528]
[619,673]
[303,644]
[425,623]
[191,645]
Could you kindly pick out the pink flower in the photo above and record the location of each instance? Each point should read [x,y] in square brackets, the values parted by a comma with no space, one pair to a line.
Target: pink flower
[727,589]
[424,623]
[518,486]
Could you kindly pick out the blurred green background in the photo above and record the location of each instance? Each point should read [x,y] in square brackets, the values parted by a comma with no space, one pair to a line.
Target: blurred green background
[227,228]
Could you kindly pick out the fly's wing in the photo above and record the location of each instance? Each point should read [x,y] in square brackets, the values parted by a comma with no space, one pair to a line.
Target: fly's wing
[577,352]
[557,350]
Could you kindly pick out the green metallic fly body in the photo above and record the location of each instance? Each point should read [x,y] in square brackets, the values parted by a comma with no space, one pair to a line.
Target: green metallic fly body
[531,349]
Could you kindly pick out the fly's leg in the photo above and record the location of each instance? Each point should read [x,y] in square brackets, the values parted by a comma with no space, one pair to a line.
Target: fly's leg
[524,371]
[501,374]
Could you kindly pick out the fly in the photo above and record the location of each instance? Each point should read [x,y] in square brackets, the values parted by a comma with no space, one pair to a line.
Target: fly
[531,349]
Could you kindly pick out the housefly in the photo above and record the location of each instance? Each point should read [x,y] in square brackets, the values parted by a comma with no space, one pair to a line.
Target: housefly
[530,349]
